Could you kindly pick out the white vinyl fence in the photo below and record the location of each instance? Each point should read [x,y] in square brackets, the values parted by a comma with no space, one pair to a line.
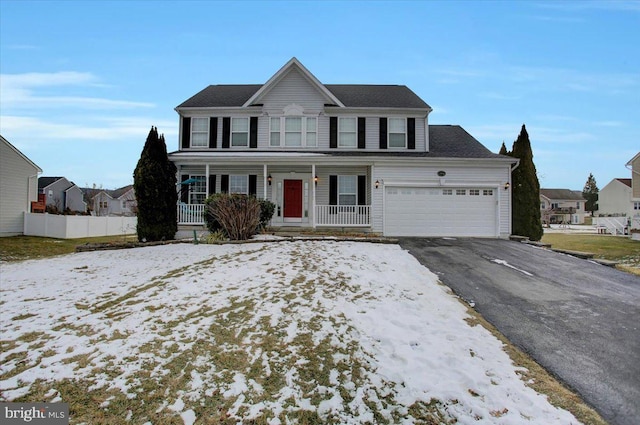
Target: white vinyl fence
[77,226]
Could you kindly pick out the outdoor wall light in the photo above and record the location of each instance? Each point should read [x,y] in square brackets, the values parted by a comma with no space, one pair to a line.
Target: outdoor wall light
[269,179]
[377,184]
[507,185]
[315,180]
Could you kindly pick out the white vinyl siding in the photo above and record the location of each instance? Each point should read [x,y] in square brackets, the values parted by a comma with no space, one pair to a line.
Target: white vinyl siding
[199,132]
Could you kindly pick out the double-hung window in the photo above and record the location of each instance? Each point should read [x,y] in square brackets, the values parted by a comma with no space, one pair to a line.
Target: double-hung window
[239,184]
[199,132]
[293,131]
[198,190]
[347,132]
[240,132]
[347,190]
[397,133]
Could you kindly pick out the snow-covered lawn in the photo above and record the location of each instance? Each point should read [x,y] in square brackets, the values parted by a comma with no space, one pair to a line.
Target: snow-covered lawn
[288,332]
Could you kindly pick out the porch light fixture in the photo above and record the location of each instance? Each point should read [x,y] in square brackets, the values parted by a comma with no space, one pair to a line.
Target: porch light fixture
[269,179]
[507,186]
[377,184]
[315,180]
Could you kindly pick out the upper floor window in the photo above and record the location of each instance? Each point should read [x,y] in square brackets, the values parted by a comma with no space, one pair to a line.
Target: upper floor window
[347,132]
[577,205]
[239,184]
[293,131]
[240,132]
[199,132]
[397,133]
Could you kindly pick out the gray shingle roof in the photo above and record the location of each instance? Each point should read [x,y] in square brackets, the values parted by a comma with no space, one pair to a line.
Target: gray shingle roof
[46,181]
[351,95]
[562,194]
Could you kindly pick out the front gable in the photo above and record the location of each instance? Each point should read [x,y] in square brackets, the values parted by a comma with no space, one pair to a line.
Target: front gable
[293,84]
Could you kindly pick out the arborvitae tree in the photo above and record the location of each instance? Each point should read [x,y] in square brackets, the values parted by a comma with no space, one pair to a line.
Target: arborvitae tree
[154,183]
[526,191]
[590,193]
[503,150]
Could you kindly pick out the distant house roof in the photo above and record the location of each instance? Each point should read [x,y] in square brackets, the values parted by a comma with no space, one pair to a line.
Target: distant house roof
[351,95]
[46,181]
[562,194]
[91,193]
[626,182]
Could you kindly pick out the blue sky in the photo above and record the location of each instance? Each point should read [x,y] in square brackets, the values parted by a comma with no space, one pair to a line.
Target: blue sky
[83,82]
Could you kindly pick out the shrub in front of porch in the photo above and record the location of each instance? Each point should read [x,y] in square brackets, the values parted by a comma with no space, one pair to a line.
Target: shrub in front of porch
[237,215]
[221,202]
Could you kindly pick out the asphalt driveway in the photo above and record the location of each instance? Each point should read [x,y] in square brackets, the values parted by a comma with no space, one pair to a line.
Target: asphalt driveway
[578,319]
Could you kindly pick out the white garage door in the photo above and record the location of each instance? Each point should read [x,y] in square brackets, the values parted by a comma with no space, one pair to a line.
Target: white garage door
[424,211]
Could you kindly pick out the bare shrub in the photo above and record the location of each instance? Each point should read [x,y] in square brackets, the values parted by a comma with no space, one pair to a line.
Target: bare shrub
[238,215]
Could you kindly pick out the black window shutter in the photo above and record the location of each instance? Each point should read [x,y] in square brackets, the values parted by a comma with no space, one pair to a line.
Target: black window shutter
[333,190]
[212,184]
[333,132]
[362,143]
[362,190]
[226,132]
[253,132]
[383,133]
[411,133]
[224,183]
[253,184]
[184,189]
[186,132]
[213,132]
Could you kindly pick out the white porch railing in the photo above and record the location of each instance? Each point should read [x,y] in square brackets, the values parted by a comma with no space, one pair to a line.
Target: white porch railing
[191,214]
[343,215]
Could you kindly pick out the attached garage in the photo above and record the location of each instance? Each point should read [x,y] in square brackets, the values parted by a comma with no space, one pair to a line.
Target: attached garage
[438,211]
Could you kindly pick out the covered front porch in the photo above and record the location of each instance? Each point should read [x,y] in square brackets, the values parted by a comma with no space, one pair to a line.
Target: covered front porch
[307,196]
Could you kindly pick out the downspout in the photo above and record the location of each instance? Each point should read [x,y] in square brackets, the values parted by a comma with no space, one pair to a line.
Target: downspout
[28,209]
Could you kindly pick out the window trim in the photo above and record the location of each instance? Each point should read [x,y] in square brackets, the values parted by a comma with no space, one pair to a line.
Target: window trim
[232,132]
[246,179]
[200,178]
[340,193]
[205,132]
[282,131]
[389,133]
[355,133]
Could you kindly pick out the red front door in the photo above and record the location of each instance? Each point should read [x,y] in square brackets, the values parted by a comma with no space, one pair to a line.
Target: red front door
[292,199]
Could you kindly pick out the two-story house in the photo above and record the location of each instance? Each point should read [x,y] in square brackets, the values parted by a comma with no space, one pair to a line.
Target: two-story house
[118,202]
[342,156]
[621,196]
[562,206]
[62,195]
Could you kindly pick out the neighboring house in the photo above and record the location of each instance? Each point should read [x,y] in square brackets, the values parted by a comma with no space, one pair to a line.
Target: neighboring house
[621,196]
[563,206]
[341,156]
[118,202]
[61,194]
[18,188]
[615,198]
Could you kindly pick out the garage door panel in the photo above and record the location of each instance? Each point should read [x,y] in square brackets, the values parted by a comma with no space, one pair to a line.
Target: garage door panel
[424,211]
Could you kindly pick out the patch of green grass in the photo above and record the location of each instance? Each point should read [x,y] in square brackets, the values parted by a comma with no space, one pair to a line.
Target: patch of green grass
[608,247]
[19,248]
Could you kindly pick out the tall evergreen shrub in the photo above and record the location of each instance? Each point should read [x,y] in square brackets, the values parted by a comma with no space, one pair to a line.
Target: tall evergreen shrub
[154,183]
[525,191]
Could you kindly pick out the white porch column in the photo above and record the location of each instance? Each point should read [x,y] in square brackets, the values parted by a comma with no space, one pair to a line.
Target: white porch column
[313,195]
[264,179]
[207,177]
